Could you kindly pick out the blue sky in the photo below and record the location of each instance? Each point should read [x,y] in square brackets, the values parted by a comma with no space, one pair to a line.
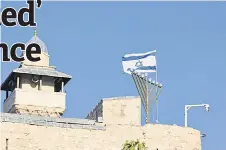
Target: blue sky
[88,39]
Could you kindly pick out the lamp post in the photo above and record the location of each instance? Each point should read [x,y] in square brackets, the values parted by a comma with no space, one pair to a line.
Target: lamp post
[187,107]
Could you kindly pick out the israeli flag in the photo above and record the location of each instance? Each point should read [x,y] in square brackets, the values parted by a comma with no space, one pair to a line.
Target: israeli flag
[142,62]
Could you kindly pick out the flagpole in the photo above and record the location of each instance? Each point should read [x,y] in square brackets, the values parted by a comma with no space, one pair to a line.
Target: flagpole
[156,79]
[147,108]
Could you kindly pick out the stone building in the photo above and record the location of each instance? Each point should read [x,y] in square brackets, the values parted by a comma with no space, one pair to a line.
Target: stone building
[35,101]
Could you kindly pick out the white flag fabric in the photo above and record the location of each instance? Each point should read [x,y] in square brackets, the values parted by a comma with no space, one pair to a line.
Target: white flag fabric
[140,62]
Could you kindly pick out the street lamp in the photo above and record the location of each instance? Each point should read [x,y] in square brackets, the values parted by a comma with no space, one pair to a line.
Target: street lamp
[187,107]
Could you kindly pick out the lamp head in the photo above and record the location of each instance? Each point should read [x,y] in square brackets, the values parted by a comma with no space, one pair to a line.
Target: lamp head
[207,107]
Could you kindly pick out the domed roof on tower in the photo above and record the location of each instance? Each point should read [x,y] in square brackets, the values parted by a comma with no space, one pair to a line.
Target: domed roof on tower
[37,40]
[44,56]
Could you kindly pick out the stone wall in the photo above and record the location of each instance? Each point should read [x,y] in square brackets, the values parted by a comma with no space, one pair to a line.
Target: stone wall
[118,110]
[122,110]
[35,102]
[24,136]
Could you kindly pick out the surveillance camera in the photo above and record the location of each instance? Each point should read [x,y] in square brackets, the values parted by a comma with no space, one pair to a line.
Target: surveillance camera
[207,106]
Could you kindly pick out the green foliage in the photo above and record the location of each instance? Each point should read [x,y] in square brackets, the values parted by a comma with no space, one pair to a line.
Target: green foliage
[134,145]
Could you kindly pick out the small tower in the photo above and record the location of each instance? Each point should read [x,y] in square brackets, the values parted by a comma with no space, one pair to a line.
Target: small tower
[36,88]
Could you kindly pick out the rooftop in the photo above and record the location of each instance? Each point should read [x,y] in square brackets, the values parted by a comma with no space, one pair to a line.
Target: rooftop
[120,98]
[35,71]
[51,122]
